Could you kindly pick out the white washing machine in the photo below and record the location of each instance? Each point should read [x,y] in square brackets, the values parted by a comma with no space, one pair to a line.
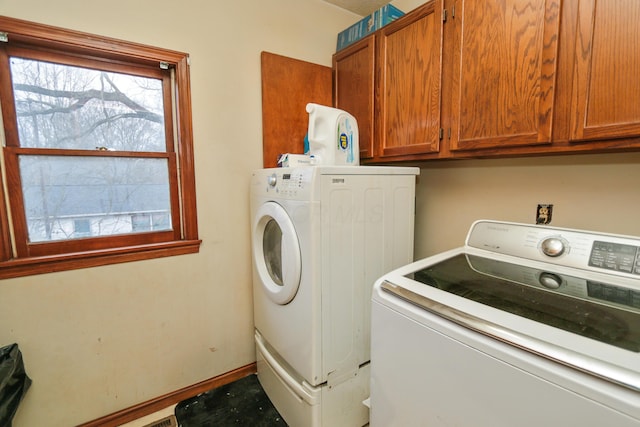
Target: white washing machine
[524,325]
[321,236]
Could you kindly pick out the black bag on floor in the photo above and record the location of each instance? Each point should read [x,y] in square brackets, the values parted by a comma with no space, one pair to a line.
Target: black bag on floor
[14,382]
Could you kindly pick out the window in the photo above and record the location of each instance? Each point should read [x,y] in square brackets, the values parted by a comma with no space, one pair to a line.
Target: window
[97,158]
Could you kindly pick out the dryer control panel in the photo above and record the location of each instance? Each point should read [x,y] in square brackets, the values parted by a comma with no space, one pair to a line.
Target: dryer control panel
[289,183]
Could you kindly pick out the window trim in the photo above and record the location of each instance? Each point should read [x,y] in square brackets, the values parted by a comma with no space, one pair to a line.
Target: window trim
[114,52]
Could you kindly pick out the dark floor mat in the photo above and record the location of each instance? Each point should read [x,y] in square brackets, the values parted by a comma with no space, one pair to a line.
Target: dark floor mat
[240,403]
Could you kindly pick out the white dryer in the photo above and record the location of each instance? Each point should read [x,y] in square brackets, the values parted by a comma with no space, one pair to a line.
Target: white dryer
[321,236]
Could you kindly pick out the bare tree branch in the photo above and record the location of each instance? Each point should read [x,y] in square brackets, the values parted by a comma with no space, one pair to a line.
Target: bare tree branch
[82,97]
[99,123]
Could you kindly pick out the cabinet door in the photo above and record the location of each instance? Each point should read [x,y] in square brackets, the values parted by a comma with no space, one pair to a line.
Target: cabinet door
[409,70]
[503,70]
[606,89]
[353,88]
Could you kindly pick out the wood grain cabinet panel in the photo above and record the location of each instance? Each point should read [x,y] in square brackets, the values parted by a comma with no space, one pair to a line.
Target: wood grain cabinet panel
[503,69]
[409,72]
[480,78]
[390,81]
[606,89]
[288,84]
[353,88]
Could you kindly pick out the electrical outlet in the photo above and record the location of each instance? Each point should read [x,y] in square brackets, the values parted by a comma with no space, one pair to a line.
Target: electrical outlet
[543,214]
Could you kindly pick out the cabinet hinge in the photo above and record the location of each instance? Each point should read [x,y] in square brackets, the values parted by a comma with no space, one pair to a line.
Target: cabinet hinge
[4,37]
[444,15]
[441,133]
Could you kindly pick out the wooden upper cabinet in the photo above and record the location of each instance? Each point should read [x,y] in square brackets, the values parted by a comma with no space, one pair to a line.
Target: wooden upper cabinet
[353,88]
[469,78]
[606,88]
[409,71]
[503,68]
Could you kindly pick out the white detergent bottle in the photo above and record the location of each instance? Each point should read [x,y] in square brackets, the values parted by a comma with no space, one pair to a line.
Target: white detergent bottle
[333,136]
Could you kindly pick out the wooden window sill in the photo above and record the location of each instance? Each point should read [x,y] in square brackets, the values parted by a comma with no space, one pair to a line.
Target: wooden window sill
[72,261]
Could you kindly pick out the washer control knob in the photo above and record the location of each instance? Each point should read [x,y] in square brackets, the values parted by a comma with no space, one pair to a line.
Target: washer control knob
[272,180]
[550,280]
[553,246]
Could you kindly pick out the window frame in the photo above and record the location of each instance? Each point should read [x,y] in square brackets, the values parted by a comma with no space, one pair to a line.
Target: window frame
[18,256]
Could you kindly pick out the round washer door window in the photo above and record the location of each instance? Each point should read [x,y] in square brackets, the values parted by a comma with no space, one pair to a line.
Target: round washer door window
[276,252]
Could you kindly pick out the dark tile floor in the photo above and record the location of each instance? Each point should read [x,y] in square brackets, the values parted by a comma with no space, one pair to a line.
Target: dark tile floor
[240,403]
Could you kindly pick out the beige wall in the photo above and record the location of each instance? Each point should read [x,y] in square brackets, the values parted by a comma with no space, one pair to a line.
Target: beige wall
[407,5]
[99,340]
[593,192]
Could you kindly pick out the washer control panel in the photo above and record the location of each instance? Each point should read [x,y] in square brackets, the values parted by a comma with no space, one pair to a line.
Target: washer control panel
[554,246]
[607,253]
[615,256]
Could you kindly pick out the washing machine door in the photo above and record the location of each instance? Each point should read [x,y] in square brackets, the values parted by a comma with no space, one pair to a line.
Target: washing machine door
[276,253]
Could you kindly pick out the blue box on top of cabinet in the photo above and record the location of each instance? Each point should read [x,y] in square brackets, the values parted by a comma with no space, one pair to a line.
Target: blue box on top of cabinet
[368,25]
